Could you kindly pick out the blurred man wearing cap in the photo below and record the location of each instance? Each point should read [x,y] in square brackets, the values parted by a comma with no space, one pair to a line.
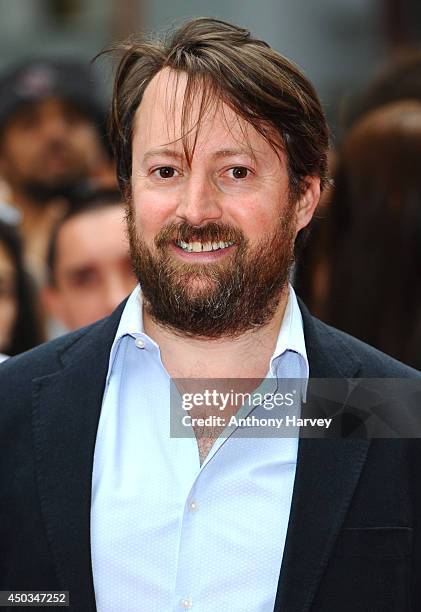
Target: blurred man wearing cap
[50,140]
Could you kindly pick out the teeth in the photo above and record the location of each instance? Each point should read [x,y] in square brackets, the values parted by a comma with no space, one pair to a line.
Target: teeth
[199,247]
[207,246]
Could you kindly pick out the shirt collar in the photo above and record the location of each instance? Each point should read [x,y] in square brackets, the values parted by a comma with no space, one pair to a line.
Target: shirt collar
[290,337]
[131,321]
[291,333]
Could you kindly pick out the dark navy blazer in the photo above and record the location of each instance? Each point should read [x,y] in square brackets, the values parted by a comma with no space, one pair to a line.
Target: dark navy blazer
[353,541]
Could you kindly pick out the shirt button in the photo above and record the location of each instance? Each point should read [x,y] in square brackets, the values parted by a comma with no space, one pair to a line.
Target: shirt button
[193,506]
[139,343]
[186,604]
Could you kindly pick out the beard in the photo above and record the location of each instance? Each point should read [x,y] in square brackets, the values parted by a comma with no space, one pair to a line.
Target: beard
[42,186]
[218,299]
[43,192]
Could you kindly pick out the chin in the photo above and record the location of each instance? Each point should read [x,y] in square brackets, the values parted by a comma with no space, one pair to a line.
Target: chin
[199,287]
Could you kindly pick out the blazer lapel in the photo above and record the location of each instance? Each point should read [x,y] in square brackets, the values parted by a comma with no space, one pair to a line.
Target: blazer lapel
[327,475]
[66,410]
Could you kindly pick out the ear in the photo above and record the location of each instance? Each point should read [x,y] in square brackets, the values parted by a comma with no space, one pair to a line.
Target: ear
[307,202]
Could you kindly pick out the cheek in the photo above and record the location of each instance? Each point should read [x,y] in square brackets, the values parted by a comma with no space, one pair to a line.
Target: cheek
[85,141]
[257,217]
[152,211]
[81,308]
[18,152]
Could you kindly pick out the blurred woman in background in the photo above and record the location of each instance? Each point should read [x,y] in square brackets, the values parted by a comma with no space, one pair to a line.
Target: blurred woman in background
[19,326]
[374,233]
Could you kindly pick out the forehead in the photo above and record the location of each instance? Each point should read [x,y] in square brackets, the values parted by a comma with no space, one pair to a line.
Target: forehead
[47,107]
[159,119]
[97,235]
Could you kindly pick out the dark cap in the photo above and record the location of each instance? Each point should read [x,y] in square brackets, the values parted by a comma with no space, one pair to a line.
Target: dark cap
[36,80]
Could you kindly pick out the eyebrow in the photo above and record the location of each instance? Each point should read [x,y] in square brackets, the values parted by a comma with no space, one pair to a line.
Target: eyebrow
[234,152]
[222,153]
[164,152]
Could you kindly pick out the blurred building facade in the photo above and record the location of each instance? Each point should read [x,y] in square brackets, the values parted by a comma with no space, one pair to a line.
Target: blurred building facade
[338,44]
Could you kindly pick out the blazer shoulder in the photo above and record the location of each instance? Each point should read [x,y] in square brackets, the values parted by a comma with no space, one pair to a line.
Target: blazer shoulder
[333,353]
[48,357]
[373,362]
[39,361]
[17,373]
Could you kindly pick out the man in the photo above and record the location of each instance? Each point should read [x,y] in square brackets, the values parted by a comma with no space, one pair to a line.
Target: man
[221,152]
[50,140]
[90,271]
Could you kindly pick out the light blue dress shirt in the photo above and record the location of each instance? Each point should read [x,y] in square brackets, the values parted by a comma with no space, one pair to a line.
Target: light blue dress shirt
[168,534]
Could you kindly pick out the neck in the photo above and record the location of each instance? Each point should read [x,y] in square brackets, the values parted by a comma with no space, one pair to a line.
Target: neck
[30,210]
[35,228]
[246,356]
[33,212]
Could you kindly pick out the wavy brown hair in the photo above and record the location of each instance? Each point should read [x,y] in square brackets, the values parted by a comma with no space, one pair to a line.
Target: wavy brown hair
[374,246]
[223,63]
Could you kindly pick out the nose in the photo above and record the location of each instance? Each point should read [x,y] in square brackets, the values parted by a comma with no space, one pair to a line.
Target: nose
[55,127]
[199,201]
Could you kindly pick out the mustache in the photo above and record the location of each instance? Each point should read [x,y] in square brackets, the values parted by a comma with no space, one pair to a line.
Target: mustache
[55,147]
[211,232]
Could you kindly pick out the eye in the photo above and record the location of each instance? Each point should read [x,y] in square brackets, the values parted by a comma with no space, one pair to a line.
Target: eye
[239,172]
[165,172]
[84,278]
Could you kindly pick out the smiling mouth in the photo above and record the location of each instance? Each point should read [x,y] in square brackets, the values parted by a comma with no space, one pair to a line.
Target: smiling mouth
[202,247]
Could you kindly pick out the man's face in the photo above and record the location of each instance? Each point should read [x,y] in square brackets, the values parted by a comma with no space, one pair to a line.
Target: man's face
[212,244]
[93,271]
[47,146]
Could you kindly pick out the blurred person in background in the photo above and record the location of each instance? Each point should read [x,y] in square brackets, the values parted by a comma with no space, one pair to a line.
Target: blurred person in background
[89,267]
[374,237]
[51,139]
[399,80]
[311,272]
[20,328]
